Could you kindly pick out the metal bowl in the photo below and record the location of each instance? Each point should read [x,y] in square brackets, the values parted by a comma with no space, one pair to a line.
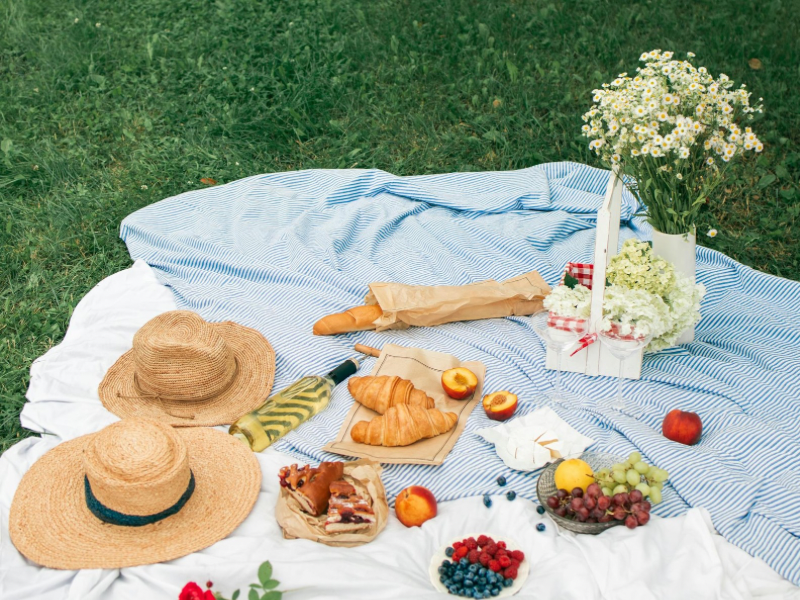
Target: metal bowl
[546,487]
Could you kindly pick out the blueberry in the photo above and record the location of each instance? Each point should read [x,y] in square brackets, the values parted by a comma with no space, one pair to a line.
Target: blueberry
[540,509]
[501,481]
[483,571]
[540,527]
[463,562]
[468,583]
[482,580]
[458,576]
[473,568]
[449,551]
[508,582]
[487,500]
[442,570]
[453,589]
[477,594]
[495,591]
[511,495]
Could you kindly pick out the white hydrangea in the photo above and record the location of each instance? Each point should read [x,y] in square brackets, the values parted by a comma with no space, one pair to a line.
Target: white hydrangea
[570,302]
[635,309]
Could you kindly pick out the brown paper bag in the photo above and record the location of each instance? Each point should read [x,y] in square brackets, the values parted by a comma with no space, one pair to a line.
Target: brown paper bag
[424,306]
[364,475]
[424,369]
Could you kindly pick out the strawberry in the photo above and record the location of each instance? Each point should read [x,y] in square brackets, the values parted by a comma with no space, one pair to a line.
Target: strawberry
[472,556]
[510,573]
[494,566]
[504,561]
[484,559]
[517,554]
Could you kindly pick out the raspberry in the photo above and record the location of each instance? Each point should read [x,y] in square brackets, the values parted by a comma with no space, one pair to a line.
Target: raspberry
[460,553]
[517,554]
[491,549]
[494,566]
[471,544]
[501,544]
[472,556]
[482,540]
[484,559]
[457,545]
[510,573]
[514,563]
[500,552]
[504,561]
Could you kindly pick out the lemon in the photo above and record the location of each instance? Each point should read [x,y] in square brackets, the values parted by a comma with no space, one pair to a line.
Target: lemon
[573,473]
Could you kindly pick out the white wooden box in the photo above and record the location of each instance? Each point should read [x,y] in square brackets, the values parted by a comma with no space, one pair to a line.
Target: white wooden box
[596,359]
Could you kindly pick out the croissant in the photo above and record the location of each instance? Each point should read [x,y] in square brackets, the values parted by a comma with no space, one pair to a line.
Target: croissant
[382,392]
[402,425]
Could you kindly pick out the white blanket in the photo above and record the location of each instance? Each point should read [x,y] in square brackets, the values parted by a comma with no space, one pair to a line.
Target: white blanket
[669,558]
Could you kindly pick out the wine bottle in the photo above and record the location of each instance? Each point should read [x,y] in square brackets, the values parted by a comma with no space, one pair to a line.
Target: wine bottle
[286,410]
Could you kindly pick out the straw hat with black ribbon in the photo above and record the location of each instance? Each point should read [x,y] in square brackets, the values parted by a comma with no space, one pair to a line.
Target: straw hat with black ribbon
[137,492]
[185,371]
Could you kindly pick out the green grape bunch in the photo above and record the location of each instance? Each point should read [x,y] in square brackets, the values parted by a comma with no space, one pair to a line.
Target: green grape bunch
[632,474]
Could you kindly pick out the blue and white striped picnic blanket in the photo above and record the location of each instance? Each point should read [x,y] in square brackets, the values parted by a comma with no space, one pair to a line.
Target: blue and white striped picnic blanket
[276,252]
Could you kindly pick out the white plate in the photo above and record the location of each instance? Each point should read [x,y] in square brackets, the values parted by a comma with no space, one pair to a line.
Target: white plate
[439,556]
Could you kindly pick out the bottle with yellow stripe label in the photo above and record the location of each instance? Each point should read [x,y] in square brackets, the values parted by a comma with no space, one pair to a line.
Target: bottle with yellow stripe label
[286,410]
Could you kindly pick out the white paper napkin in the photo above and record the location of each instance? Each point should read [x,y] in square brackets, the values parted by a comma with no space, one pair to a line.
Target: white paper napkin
[530,442]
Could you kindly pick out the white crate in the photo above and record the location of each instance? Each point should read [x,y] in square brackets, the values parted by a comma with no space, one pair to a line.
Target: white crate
[596,359]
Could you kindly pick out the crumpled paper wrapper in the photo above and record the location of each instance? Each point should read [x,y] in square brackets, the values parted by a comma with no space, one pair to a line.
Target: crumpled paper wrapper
[425,306]
[364,475]
[530,442]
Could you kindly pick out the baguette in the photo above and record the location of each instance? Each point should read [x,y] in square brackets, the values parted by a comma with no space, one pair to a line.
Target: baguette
[358,318]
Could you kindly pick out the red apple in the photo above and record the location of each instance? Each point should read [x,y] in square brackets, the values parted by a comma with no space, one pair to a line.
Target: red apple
[499,406]
[459,383]
[683,427]
[415,505]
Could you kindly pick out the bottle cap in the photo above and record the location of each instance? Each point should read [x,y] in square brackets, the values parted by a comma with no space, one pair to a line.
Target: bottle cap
[344,370]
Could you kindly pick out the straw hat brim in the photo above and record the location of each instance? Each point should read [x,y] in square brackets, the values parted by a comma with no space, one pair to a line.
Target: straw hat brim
[51,525]
[251,386]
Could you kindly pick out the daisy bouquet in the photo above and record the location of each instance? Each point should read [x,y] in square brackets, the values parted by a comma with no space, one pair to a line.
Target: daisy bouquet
[672,131]
[643,293]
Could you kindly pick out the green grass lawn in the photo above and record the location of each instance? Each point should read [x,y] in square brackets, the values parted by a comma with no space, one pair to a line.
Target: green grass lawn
[106,107]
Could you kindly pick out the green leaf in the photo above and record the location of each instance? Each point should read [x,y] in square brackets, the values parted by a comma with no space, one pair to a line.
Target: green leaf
[253,595]
[235,595]
[5,145]
[265,573]
[570,281]
[273,595]
[395,44]
[766,180]
[513,71]
[272,583]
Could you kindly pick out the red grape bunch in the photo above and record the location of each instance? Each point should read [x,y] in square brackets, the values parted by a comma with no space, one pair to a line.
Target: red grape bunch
[595,507]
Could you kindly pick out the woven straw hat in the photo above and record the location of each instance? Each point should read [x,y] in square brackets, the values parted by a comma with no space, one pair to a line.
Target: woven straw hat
[88,503]
[185,372]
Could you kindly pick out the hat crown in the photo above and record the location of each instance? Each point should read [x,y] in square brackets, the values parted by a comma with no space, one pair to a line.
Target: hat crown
[137,466]
[179,356]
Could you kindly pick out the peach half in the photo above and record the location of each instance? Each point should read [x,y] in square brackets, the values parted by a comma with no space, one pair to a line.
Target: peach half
[500,405]
[459,383]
